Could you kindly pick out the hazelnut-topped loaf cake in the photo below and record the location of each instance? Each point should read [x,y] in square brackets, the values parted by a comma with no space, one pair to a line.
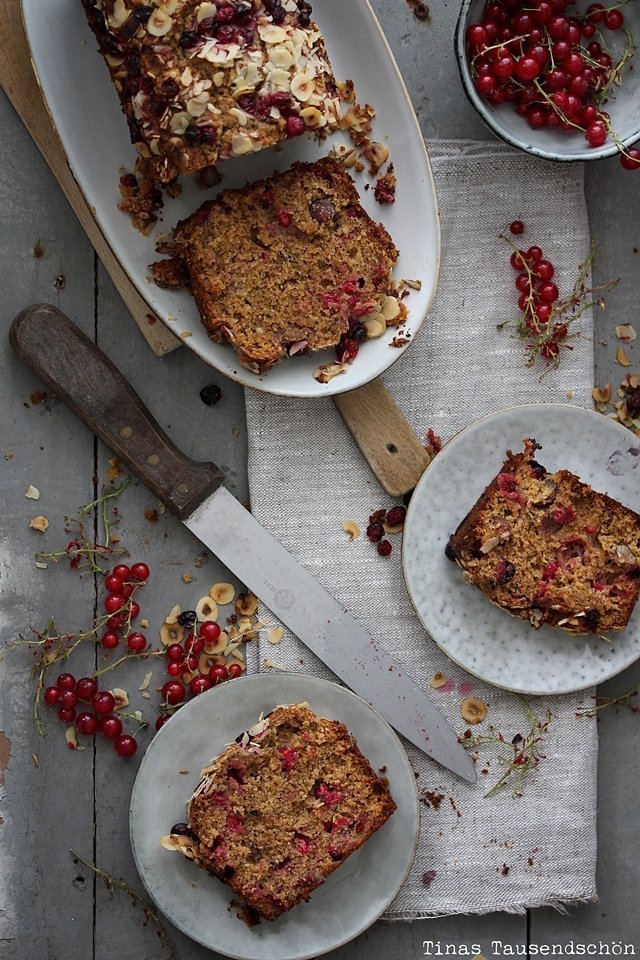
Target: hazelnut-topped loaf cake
[201,82]
[285,265]
[282,808]
[549,549]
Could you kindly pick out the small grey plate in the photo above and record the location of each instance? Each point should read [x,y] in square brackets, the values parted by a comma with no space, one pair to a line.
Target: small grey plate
[352,898]
[474,633]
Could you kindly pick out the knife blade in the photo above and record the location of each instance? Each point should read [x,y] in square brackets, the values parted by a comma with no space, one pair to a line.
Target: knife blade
[79,373]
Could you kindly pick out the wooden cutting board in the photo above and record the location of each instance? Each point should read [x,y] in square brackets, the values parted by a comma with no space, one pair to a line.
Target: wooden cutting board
[19,82]
[391,448]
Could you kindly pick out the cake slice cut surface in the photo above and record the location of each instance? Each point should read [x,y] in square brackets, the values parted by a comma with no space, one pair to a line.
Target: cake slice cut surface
[549,549]
[282,808]
[285,265]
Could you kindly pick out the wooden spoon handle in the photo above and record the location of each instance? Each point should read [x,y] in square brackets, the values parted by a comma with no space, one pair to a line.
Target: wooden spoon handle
[82,375]
[388,443]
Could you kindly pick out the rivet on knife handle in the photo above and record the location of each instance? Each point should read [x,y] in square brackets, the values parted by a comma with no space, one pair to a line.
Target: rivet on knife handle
[81,375]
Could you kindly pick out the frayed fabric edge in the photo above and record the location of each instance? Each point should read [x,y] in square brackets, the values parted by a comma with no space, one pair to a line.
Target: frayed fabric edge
[562,906]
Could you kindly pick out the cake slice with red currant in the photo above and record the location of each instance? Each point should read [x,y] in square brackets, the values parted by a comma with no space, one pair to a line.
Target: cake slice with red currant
[286,265]
[548,548]
[201,82]
[282,808]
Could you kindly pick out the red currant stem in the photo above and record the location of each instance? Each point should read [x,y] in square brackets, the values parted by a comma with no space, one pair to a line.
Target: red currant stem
[129,656]
[615,75]
[496,46]
[142,723]
[556,108]
[115,883]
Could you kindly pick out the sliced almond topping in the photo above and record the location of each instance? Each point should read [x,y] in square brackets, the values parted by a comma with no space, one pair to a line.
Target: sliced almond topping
[171,633]
[206,10]
[602,394]
[173,616]
[351,529]
[473,710]
[222,593]
[241,144]
[622,358]
[438,680]
[625,554]
[327,371]
[490,544]
[39,523]
[32,493]
[206,609]
[118,15]
[159,23]
[121,697]
[625,332]
[147,680]
[375,326]
[275,635]
[246,604]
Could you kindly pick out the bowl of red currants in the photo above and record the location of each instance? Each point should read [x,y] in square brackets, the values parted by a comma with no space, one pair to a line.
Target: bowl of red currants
[556,78]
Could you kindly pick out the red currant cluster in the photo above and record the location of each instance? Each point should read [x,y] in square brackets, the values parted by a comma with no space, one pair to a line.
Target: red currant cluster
[385,521]
[69,693]
[547,64]
[540,321]
[184,660]
[121,584]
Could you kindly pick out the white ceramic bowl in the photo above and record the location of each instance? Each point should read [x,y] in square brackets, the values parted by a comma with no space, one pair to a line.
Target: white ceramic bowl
[554,143]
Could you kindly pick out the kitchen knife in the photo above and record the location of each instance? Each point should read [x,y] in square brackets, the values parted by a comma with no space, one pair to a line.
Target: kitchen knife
[79,373]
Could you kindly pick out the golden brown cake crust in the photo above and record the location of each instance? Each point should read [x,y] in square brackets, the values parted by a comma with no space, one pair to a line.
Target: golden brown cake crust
[280,810]
[549,549]
[287,264]
[203,81]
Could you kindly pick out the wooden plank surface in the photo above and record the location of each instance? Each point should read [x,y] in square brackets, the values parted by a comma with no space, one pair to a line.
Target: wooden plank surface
[81,800]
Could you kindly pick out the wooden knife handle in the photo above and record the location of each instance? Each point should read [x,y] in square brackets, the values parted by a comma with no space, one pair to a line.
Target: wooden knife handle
[93,387]
[388,443]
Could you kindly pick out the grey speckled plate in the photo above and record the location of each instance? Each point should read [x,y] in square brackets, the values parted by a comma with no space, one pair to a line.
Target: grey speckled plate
[352,898]
[482,638]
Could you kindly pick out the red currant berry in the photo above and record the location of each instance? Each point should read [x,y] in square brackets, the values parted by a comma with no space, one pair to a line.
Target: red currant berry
[162,719]
[110,726]
[210,631]
[134,610]
[534,254]
[485,84]
[116,622]
[104,702]
[527,68]
[523,283]
[66,681]
[543,311]
[52,696]
[69,699]
[384,548]
[375,532]
[476,35]
[113,584]
[596,12]
[86,688]
[173,692]
[517,227]
[613,19]
[110,639]
[560,331]
[140,572]
[560,50]
[126,745]
[194,644]
[396,516]
[121,570]
[175,652]
[558,27]
[631,159]
[174,669]
[199,685]
[218,674]
[544,270]
[596,134]
[504,66]
[548,292]
[234,670]
[136,642]
[192,663]
[67,714]
[114,602]
[86,723]
[518,260]
[127,590]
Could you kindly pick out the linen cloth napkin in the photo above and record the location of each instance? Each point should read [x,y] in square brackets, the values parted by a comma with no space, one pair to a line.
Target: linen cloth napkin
[476,854]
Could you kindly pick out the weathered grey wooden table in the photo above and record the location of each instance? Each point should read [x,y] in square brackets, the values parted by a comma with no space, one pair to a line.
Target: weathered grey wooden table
[50,909]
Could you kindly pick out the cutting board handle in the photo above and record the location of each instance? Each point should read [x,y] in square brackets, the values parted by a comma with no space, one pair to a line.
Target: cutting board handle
[388,443]
[93,387]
